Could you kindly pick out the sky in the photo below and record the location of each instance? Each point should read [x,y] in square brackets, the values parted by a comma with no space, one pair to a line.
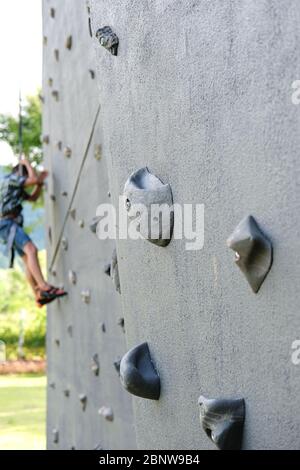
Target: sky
[20,56]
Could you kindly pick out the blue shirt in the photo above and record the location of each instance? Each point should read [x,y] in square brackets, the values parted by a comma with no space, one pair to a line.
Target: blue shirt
[12,194]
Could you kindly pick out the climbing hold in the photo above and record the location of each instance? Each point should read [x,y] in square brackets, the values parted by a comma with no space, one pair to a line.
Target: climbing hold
[109,194]
[52,385]
[223,421]
[70,330]
[92,74]
[108,39]
[67,392]
[98,447]
[117,365]
[42,98]
[94,224]
[145,190]
[53,272]
[95,365]
[59,145]
[90,27]
[138,375]
[52,197]
[72,277]
[46,139]
[86,296]
[45,40]
[55,95]
[83,400]
[121,323]
[67,152]
[50,234]
[64,193]
[107,413]
[81,223]
[103,327]
[56,54]
[64,244]
[112,270]
[50,82]
[57,342]
[52,12]
[69,42]
[98,152]
[254,253]
[55,435]
[73,213]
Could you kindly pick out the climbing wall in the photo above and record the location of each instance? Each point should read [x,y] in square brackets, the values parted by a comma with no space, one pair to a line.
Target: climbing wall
[86,329]
[200,93]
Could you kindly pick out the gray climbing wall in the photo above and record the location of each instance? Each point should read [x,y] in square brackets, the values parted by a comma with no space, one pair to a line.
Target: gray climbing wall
[75,328]
[200,92]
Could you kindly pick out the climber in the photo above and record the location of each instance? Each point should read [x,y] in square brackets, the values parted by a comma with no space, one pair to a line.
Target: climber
[13,191]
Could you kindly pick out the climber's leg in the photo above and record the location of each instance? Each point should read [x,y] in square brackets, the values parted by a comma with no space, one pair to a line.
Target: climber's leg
[29,277]
[33,266]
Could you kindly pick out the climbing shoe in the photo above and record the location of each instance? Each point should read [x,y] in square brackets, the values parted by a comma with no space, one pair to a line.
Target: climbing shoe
[47,296]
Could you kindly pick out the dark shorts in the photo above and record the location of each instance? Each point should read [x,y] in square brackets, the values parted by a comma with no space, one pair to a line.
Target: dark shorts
[21,238]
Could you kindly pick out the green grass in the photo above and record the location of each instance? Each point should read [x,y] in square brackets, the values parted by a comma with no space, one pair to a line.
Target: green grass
[22,412]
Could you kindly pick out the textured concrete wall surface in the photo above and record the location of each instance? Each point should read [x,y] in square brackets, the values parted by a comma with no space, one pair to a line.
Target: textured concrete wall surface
[75,329]
[200,93]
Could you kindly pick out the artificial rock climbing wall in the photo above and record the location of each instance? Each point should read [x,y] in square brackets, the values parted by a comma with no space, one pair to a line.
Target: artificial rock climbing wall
[85,330]
[200,93]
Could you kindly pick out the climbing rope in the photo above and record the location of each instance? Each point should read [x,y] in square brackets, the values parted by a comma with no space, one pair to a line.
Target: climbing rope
[21,168]
[75,189]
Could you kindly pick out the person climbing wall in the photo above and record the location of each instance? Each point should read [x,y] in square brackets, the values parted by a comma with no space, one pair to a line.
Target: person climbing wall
[13,191]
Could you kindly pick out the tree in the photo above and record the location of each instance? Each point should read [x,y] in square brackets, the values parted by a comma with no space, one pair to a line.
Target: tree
[32,129]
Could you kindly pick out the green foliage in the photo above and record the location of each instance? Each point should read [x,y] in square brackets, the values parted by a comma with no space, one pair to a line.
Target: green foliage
[32,129]
[15,297]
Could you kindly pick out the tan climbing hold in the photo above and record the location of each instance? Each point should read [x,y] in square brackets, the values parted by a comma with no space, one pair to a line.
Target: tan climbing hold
[68,152]
[64,243]
[86,296]
[73,213]
[69,42]
[98,152]
[72,277]
[46,139]
[81,223]
[50,82]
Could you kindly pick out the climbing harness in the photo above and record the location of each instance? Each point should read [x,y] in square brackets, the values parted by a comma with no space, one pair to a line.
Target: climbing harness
[75,189]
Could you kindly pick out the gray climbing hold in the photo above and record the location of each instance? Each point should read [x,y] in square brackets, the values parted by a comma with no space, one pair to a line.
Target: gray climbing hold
[64,193]
[154,201]
[52,385]
[67,152]
[81,223]
[108,39]
[103,327]
[59,145]
[83,400]
[50,234]
[55,435]
[90,27]
[45,40]
[92,74]
[72,277]
[98,152]
[223,421]
[64,244]
[117,365]
[52,12]
[70,331]
[50,82]
[109,194]
[86,296]
[254,253]
[121,323]
[53,272]
[111,269]
[52,197]
[46,139]
[56,54]
[55,95]
[107,413]
[73,213]
[69,42]
[67,393]
[138,374]
[95,365]
[94,224]
[57,342]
